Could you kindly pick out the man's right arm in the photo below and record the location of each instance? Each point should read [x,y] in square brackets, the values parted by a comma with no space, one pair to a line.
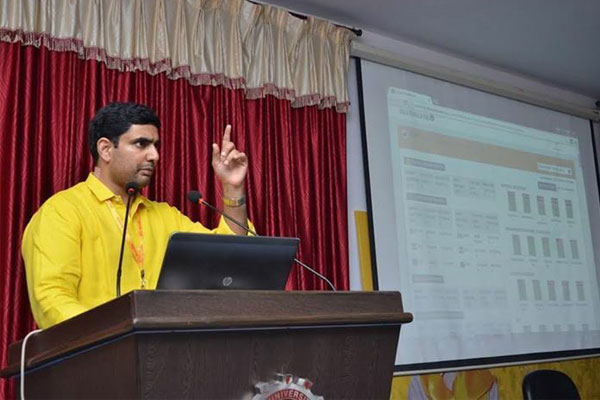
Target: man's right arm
[51,250]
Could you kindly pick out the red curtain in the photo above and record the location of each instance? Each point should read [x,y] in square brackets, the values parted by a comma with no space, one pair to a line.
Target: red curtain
[296,184]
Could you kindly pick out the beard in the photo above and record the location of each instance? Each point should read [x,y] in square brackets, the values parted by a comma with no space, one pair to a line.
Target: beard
[144,174]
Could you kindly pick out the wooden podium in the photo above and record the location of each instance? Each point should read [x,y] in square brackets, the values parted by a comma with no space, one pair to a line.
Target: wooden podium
[217,344]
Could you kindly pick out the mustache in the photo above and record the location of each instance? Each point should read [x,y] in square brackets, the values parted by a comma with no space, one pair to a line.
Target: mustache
[149,167]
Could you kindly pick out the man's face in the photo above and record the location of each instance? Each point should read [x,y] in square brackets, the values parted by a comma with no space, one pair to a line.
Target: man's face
[134,159]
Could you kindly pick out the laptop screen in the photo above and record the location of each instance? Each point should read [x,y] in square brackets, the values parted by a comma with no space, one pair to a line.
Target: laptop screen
[207,261]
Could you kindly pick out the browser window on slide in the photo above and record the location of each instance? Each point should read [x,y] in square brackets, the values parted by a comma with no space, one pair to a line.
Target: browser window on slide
[493,233]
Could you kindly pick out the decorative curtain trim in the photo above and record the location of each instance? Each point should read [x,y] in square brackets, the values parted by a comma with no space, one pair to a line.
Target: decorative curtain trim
[235,43]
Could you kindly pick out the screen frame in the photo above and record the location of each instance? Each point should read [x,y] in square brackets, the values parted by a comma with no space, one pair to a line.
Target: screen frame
[469,363]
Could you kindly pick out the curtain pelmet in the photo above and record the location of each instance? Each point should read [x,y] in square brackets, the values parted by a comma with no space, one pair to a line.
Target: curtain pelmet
[233,43]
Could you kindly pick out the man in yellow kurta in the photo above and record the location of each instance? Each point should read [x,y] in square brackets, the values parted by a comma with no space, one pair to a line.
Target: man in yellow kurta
[71,245]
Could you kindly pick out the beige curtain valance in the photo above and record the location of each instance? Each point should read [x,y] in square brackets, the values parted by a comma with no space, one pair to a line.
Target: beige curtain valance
[235,43]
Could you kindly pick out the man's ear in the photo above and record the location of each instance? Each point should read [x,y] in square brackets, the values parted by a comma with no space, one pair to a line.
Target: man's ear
[104,147]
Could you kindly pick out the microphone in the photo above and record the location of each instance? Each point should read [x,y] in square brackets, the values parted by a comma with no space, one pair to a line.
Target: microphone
[131,188]
[195,197]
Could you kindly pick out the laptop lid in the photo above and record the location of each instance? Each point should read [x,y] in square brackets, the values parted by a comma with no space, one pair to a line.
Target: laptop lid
[207,261]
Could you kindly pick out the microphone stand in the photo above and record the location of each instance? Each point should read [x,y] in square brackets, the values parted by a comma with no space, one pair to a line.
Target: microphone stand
[195,197]
[132,189]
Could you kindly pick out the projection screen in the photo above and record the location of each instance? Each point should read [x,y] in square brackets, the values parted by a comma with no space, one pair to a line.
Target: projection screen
[484,213]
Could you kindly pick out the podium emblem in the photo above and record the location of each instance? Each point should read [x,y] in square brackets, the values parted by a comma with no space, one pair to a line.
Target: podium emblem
[285,387]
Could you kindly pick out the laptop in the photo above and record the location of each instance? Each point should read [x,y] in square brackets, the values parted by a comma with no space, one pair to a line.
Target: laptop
[207,261]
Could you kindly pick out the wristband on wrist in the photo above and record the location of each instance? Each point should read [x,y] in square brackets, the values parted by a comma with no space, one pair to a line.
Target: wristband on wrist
[234,202]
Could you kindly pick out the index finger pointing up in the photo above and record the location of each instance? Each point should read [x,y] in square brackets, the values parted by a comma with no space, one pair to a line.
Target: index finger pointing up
[226,135]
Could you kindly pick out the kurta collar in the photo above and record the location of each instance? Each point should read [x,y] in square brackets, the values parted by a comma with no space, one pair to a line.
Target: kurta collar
[103,193]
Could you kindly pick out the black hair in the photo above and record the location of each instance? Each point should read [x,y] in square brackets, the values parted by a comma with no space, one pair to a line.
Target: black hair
[114,119]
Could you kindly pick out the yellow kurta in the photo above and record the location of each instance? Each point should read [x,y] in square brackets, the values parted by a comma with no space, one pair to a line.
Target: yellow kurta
[71,248]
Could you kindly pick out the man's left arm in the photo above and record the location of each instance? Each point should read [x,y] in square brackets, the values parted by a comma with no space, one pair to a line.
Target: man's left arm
[231,166]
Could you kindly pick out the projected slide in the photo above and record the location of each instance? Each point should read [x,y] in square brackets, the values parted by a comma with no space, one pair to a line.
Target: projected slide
[493,235]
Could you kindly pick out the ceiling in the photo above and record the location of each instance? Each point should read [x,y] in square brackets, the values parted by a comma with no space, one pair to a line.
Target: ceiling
[553,41]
